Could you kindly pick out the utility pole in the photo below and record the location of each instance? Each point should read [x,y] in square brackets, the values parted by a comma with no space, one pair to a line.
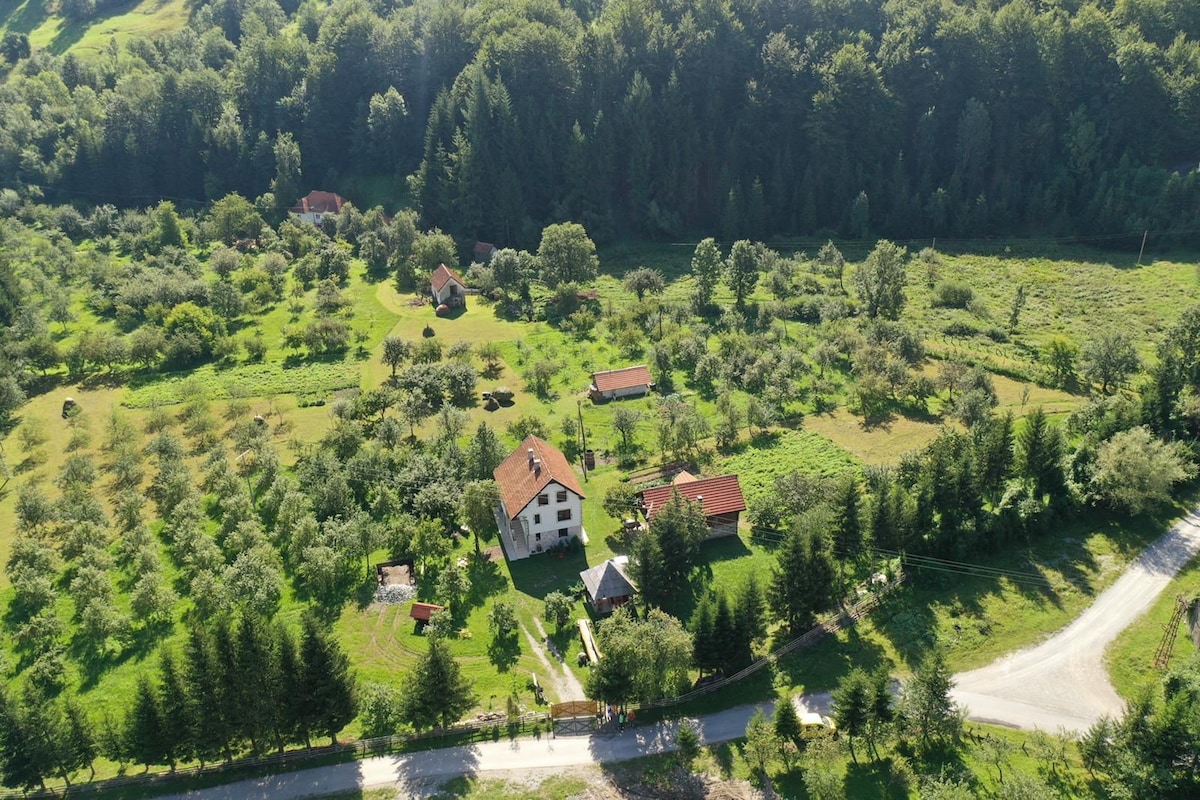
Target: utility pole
[1143,250]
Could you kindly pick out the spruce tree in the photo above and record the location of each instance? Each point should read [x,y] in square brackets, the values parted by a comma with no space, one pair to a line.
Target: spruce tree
[436,692]
[802,582]
[178,711]
[326,681]
[704,650]
[725,640]
[848,540]
[291,703]
[144,728]
[81,746]
[787,722]
[257,692]
[213,731]
[851,706]
[750,611]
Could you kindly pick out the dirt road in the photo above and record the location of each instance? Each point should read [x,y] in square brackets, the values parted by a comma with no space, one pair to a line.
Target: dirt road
[1062,681]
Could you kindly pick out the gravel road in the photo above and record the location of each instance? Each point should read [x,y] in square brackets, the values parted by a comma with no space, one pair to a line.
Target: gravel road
[1062,681]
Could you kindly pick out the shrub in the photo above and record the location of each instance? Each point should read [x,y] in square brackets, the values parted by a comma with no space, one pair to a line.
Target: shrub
[949,294]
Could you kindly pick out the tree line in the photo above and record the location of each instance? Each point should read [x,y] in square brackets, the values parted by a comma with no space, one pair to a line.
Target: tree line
[241,684]
[642,119]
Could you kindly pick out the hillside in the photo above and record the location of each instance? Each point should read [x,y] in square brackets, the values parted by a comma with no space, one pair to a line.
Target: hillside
[55,33]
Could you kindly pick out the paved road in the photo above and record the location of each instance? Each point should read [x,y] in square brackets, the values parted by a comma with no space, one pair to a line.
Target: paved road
[414,770]
[1059,683]
[1062,681]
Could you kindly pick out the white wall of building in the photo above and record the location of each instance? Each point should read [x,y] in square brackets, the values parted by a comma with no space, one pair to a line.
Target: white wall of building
[542,524]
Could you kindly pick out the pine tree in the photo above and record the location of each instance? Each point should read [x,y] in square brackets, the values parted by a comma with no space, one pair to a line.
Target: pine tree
[178,710]
[484,453]
[1039,452]
[787,722]
[704,650]
[848,539]
[929,710]
[257,658]
[436,693]
[751,610]
[851,706]
[725,636]
[214,732]
[326,681]
[80,746]
[291,703]
[144,734]
[802,582]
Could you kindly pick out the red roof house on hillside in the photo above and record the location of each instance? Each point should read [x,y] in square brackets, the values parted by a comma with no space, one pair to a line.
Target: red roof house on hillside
[541,501]
[448,288]
[315,206]
[720,498]
[626,382]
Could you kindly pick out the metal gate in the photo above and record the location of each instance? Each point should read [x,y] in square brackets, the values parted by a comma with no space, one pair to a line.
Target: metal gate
[575,726]
[575,717]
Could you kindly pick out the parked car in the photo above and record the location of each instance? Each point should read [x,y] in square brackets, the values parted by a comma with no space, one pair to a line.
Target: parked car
[816,726]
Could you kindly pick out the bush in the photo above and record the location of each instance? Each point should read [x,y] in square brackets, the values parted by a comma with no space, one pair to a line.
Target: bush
[949,294]
[960,330]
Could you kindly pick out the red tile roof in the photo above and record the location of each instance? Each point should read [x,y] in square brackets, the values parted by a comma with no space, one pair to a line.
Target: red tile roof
[520,482]
[625,378]
[424,611]
[719,495]
[443,275]
[484,251]
[319,203]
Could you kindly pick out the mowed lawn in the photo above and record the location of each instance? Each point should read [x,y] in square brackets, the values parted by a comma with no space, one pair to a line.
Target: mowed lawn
[126,20]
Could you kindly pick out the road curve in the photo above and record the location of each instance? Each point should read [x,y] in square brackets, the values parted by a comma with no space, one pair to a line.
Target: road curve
[1062,681]
[1059,683]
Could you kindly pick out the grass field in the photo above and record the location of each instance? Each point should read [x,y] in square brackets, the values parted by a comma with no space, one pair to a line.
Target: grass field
[121,22]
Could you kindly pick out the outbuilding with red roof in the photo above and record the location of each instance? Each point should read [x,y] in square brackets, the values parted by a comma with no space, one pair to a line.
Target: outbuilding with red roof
[541,501]
[447,287]
[720,498]
[316,205]
[616,383]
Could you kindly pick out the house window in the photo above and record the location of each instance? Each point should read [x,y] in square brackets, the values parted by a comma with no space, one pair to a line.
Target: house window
[537,519]
[543,499]
[564,514]
[562,533]
[561,496]
[537,537]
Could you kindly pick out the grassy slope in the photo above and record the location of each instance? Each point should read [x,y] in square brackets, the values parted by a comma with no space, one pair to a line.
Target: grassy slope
[128,19]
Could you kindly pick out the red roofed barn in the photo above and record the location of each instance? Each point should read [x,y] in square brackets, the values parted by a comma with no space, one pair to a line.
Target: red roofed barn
[614,383]
[541,502]
[720,498]
[448,288]
[315,206]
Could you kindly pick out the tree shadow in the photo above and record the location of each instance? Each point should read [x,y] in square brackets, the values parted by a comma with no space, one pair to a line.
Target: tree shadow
[541,574]
[503,651]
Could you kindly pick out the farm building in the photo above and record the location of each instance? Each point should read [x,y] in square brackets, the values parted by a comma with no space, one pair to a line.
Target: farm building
[423,612]
[315,206]
[541,502]
[483,252]
[720,497]
[608,586]
[447,287]
[616,383]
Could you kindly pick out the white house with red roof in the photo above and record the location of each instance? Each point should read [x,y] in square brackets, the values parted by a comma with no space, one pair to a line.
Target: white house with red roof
[541,501]
[720,498]
[315,206]
[447,287]
[616,383]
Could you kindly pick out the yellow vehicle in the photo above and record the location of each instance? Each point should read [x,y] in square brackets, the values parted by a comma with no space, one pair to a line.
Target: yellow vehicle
[816,726]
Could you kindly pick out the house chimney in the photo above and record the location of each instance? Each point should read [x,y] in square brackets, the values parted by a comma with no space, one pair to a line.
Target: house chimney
[537,465]
[531,457]
[700,499]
